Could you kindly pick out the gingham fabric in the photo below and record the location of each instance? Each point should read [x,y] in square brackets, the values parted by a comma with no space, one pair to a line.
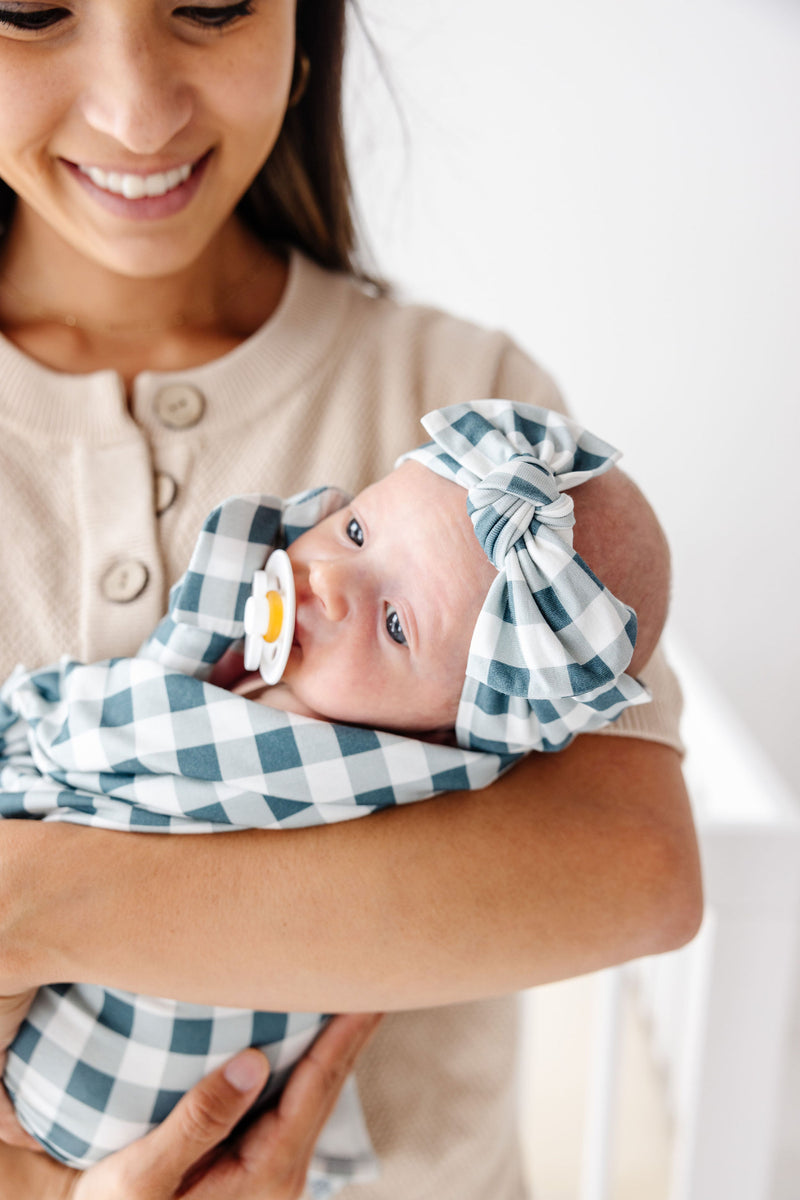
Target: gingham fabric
[551,643]
[148,744]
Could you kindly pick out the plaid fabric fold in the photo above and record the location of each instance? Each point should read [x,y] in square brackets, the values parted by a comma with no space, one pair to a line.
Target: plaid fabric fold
[147,744]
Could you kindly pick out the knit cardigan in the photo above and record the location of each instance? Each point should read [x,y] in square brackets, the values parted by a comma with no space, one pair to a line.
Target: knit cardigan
[102,496]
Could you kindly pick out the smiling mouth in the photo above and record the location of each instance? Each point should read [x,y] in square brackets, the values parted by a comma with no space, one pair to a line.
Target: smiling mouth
[138,187]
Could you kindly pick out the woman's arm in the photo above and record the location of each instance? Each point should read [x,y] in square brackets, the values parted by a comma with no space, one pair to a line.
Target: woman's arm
[571,862]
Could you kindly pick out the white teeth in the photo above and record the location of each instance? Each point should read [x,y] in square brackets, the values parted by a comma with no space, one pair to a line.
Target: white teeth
[133,187]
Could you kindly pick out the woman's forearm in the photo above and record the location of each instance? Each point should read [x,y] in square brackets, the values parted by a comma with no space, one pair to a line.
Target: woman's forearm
[571,862]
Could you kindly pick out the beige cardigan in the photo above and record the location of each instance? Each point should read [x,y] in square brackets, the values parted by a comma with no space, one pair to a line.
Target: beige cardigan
[100,507]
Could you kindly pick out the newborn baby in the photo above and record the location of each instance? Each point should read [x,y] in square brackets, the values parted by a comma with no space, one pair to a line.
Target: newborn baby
[445,601]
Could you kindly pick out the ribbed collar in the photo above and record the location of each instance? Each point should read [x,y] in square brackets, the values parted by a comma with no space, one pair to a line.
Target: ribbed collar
[295,340]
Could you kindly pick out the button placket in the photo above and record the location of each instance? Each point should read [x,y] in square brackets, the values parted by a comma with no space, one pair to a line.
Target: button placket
[124,581]
[179,405]
[123,591]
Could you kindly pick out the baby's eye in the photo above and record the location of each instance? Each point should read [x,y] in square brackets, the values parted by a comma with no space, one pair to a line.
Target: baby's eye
[355,532]
[393,626]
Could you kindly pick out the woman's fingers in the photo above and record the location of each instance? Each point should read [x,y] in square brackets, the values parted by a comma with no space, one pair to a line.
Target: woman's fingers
[156,1166]
[314,1086]
[283,1140]
[200,1121]
[273,1156]
[184,1157]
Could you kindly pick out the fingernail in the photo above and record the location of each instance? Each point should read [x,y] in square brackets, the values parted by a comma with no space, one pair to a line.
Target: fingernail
[245,1071]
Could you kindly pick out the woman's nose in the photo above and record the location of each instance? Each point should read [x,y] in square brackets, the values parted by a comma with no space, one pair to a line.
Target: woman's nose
[328,580]
[136,96]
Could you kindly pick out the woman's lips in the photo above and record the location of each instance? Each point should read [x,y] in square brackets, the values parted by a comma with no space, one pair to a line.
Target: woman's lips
[164,193]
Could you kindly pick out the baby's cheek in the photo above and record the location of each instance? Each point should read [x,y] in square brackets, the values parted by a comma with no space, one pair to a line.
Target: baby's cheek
[282,697]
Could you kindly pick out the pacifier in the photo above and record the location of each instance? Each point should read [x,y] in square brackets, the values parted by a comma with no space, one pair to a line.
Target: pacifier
[269,618]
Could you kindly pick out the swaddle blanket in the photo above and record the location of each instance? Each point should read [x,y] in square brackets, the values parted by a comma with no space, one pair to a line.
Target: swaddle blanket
[147,744]
[139,744]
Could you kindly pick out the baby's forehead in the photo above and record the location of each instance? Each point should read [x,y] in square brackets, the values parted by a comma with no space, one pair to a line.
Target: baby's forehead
[412,489]
[412,499]
[414,506]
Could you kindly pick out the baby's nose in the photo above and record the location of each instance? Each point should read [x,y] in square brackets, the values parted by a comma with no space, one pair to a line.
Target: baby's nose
[328,581]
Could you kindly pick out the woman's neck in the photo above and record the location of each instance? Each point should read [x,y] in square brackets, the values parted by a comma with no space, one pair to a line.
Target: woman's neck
[75,315]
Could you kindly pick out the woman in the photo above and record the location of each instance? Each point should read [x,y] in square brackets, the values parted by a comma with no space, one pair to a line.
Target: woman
[183,320]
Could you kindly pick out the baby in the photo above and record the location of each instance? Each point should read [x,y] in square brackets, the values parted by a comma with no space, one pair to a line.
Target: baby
[391,586]
[445,601]
[387,601]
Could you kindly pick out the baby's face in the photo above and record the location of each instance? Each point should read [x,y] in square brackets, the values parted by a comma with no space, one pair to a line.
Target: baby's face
[388,593]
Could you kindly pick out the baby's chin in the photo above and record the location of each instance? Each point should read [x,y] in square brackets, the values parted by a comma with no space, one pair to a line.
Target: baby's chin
[281,696]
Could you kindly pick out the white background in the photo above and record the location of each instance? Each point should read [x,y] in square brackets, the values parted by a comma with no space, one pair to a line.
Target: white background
[617,184]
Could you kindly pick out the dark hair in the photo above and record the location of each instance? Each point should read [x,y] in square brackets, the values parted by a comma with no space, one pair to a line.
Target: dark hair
[302,195]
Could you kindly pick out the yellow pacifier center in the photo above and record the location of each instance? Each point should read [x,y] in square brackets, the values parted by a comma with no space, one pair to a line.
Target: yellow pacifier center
[275,616]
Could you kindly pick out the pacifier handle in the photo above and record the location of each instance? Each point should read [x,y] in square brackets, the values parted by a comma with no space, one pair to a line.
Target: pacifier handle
[269,616]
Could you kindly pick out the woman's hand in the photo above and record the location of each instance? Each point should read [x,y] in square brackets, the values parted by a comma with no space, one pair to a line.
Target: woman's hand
[186,1156]
[12,1013]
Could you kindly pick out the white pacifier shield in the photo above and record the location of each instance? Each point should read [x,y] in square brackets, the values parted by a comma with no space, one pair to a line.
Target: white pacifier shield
[272,592]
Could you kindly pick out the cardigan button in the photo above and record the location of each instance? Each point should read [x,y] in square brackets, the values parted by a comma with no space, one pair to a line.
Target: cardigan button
[124,581]
[179,405]
[166,489]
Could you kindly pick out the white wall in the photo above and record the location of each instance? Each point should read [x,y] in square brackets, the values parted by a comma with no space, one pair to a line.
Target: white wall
[617,183]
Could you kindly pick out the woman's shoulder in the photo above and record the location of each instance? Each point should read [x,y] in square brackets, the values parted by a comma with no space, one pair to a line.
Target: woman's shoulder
[441,351]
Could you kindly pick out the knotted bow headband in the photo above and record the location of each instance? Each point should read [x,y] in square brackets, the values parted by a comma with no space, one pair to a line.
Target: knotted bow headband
[551,643]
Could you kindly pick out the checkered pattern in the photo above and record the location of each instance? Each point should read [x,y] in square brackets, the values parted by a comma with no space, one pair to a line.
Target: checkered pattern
[551,644]
[148,744]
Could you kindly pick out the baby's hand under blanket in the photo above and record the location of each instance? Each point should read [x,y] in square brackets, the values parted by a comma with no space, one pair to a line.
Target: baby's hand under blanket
[12,1014]
[229,669]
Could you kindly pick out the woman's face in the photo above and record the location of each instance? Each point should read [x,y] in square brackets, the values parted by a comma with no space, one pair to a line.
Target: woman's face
[133,127]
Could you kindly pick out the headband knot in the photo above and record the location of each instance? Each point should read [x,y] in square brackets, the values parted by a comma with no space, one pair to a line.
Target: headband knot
[523,494]
[551,644]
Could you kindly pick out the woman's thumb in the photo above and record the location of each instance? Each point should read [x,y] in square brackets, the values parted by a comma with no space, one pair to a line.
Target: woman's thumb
[202,1119]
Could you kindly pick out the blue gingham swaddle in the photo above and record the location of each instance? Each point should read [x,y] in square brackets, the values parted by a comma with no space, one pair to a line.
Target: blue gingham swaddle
[148,744]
